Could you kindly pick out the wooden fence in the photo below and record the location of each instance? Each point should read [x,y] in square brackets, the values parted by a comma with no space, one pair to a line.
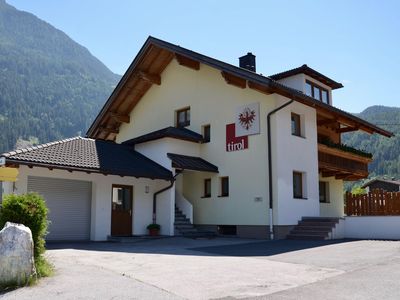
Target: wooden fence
[375,203]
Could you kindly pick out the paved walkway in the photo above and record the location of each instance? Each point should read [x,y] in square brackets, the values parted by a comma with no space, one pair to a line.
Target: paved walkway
[179,268]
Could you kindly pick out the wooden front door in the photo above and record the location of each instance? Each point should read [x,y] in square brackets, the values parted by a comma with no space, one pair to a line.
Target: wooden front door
[121,210]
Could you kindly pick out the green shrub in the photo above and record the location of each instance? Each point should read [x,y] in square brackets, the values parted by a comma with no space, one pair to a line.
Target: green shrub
[28,209]
[153,226]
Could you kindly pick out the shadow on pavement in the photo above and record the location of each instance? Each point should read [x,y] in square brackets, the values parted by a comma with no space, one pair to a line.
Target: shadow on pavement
[181,246]
[268,248]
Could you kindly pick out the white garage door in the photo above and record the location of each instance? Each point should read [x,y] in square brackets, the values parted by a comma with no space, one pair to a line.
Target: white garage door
[69,205]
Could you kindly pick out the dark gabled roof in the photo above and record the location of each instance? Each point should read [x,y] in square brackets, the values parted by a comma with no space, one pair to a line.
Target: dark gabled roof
[310,72]
[172,132]
[267,83]
[191,163]
[83,154]
[395,182]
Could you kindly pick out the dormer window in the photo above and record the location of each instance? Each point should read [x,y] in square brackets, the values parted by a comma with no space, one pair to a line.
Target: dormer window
[183,117]
[317,92]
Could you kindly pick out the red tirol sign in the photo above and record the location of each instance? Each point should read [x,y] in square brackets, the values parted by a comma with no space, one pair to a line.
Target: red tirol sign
[234,143]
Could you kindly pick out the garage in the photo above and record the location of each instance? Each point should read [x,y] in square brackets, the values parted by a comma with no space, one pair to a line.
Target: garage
[69,203]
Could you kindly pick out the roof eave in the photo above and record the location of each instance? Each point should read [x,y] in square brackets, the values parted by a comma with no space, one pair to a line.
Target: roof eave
[119,86]
[222,66]
[10,161]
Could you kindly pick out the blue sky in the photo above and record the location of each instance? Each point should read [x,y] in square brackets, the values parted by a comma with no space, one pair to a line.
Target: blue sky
[354,42]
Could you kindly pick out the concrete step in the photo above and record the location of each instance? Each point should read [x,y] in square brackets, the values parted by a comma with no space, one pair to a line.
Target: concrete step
[313,228]
[298,236]
[183,230]
[182,220]
[317,223]
[321,219]
[183,226]
[309,232]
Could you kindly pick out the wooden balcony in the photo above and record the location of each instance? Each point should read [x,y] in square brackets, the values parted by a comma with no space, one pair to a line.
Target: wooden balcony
[341,164]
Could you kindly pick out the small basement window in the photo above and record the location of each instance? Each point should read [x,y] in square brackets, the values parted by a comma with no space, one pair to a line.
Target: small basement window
[206,133]
[207,188]
[224,187]
[183,117]
[227,229]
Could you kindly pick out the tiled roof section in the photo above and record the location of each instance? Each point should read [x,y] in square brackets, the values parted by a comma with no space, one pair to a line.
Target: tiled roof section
[191,163]
[310,72]
[83,154]
[172,132]
[396,182]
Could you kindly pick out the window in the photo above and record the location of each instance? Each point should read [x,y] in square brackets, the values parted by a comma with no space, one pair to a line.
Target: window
[296,125]
[224,187]
[298,185]
[206,133]
[207,188]
[324,96]
[317,92]
[323,192]
[183,117]
[121,198]
[308,89]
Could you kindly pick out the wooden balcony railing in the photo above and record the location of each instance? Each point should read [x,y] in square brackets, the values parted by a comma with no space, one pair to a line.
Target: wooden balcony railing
[341,164]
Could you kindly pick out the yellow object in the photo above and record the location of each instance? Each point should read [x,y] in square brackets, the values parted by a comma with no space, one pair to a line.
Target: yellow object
[8,174]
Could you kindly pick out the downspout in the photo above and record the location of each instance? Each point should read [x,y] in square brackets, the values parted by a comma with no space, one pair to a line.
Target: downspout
[172,181]
[271,202]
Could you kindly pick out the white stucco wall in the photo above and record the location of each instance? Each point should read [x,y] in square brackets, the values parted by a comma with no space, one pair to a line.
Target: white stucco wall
[101,199]
[292,153]
[157,150]
[212,101]
[373,227]
[295,82]
[335,207]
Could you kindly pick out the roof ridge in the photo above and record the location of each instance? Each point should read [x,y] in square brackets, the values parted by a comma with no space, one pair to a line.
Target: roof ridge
[41,146]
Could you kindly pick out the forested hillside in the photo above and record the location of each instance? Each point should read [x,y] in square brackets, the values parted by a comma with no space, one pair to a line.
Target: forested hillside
[50,86]
[386,151]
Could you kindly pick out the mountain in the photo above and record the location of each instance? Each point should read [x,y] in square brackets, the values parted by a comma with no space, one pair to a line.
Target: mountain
[50,86]
[386,151]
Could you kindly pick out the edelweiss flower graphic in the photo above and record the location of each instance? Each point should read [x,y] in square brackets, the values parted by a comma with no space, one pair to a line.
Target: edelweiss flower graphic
[247,118]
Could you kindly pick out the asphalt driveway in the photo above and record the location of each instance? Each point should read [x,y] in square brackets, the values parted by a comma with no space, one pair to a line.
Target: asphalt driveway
[179,268]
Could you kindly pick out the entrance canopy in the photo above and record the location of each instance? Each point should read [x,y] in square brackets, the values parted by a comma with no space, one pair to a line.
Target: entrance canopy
[191,163]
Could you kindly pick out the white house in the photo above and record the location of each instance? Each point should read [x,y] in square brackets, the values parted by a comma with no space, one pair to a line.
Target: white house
[236,152]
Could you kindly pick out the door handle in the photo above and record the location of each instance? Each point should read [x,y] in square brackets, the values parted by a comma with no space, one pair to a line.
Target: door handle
[130,212]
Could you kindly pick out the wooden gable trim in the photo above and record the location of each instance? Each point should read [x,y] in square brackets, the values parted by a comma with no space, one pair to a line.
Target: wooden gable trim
[260,88]
[326,122]
[234,80]
[108,130]
[187,62]
[347,129]
[120,118]
[151,78]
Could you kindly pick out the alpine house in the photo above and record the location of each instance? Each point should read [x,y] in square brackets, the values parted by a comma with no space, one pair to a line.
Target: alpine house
[185,139]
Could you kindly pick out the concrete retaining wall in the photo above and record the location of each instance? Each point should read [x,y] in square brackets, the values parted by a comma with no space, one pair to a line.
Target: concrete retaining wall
[373,227]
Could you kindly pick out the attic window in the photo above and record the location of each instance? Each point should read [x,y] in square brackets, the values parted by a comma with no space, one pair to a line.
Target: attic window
[317,92]
[183,117]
